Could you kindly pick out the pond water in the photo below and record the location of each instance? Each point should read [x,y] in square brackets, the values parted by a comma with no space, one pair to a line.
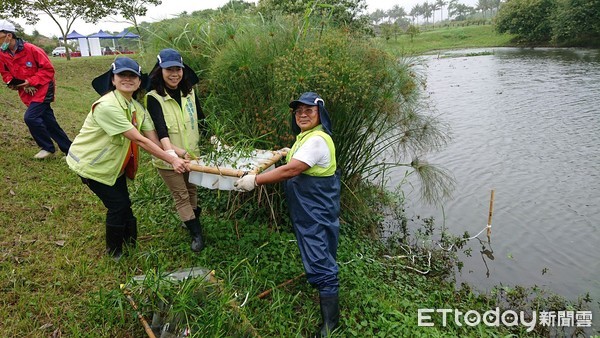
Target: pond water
[526,123]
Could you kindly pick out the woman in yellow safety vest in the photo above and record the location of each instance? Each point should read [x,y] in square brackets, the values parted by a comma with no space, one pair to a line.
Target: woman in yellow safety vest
[105,152]
[312,190]
[177,116]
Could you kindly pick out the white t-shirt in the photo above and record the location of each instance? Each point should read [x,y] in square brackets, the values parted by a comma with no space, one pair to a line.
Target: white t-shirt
[314,152]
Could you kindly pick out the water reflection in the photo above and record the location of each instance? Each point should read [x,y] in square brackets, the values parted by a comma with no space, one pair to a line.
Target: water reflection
[486,252]
[525,122]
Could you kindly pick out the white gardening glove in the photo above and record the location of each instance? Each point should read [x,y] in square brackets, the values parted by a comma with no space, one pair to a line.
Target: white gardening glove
[246,183]
[171,152]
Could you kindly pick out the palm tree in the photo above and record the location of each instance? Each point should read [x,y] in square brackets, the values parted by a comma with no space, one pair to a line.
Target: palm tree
[396,13]
[451,7]
[415,12]
[440,4]
[495,4]
[461,11]
[434,7]
[483,6]
[377,16]
[395,17]
[426,7]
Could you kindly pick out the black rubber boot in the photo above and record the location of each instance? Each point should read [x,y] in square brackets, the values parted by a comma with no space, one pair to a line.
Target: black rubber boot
[115,235]
[197,213]
[330,313]
[131,232]
[195,229]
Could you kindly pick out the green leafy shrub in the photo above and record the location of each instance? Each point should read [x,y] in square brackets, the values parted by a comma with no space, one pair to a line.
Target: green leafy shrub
[577,23]
[251,68]
[530,20]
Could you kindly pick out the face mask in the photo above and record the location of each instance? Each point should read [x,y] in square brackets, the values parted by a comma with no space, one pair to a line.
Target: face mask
[5,44]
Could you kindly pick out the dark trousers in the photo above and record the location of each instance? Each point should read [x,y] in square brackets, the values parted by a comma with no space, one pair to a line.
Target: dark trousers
[42,124]
[115,199]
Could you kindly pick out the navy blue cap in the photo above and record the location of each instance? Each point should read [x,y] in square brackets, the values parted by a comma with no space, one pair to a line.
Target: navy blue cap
[169,58]
[125,64]
[308,98]
[312,99]
[103,84]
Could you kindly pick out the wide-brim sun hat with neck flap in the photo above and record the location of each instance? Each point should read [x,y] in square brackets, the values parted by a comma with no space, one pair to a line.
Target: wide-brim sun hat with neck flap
[103,84]
[312,99]
[169,57]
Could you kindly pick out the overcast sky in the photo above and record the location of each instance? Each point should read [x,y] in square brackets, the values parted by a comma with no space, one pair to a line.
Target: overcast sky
[170,8]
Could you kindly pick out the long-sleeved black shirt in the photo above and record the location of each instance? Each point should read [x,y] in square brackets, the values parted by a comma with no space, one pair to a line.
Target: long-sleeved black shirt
[156,113]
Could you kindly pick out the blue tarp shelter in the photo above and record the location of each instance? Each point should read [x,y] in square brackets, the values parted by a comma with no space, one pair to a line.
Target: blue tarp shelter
[101,35]
[126,34]
[94,41]
[82,40]
[75,35]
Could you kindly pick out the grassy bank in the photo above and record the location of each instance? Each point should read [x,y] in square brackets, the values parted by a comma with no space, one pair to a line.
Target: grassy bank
[54,276]
[449,38]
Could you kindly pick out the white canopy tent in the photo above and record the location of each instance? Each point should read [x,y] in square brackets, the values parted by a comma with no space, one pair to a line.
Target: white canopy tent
[82,41]
[95,49]
[94,41]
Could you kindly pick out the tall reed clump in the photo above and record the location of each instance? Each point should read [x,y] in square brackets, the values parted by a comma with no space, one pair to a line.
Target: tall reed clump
[254,67]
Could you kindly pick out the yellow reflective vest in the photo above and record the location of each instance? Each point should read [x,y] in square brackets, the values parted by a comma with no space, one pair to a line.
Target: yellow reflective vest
[315,170]
[99,150]
[182,124]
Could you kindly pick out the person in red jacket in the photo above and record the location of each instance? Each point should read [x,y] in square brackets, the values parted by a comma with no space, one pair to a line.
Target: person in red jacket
[27,69]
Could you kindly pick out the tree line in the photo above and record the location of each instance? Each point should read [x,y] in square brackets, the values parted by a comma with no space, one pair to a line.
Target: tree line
[434,11]
[565,23]
[550,22]
[65,12]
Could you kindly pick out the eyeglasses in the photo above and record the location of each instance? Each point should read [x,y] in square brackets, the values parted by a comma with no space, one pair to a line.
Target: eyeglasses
[305,110]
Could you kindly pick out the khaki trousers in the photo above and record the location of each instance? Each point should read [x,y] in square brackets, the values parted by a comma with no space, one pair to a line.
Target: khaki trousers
[185,194]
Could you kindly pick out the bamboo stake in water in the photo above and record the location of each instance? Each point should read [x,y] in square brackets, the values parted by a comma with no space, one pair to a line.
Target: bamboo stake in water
[489,223]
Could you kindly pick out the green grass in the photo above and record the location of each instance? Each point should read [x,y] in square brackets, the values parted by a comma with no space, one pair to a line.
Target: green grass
[54,276]
[449,38]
